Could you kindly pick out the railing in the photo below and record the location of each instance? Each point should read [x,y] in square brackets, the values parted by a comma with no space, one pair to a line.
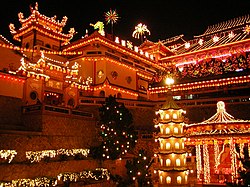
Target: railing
[151,104]
[127,102]
[40,108]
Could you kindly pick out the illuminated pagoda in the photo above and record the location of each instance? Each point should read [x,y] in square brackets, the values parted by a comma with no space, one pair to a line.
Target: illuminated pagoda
[215,142]
[39,29]
[172,169]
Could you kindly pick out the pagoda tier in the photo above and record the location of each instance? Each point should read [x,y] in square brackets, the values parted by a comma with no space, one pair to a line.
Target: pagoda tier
[171,153]
[48,26]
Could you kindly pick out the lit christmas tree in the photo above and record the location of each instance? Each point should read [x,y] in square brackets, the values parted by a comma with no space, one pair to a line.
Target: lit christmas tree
[116,130]
[138,169]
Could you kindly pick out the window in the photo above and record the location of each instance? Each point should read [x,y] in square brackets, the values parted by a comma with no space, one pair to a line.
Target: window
[102,93]
[176,130]
[167,116]
[179,180]
[119,95]
[168,162]
[71,102]
[177,145]
[178,162]
[161,161]
[33,95]
[168,146]
[48,46]
[167,130]
[174,116]
[168,180]
[161,145]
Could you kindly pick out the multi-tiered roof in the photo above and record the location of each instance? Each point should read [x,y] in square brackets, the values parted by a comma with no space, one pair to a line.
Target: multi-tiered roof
[49,26]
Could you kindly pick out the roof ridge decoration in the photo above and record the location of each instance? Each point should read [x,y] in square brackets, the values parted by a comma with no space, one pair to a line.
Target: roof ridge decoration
[226,25]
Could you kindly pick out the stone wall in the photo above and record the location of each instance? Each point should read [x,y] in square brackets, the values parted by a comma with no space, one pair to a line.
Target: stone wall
[10,113]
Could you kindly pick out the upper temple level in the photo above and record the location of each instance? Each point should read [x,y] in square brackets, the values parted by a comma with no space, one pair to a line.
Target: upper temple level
[56,70]
[39,29]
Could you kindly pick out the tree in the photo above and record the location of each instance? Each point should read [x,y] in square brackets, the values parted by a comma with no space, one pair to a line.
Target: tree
[138,169]
[111,17]
[243,179]
[116,130]
[139,31]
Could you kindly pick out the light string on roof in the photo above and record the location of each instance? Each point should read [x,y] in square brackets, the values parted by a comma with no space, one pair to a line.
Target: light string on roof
[202,84]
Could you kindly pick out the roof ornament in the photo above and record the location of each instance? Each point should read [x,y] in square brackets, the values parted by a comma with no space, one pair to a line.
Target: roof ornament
[100,26]
[35,8]
[12,28]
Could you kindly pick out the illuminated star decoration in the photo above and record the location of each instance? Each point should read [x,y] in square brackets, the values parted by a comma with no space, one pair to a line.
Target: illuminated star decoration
[111,17]
[140,30]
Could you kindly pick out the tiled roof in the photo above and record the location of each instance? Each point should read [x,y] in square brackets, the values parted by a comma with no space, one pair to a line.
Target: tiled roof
[226,32]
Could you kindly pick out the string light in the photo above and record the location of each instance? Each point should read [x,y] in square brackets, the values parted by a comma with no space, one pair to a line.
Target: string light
[198,161]
[207,176]
[202,84]
[97,174]
[8,154]
[37,156]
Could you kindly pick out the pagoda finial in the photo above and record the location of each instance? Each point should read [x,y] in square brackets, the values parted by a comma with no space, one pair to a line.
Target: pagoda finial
[35,7]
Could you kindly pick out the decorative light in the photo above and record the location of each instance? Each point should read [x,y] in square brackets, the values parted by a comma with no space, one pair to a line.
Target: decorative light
[198,161]
[215,39]
[8,154]
[187,45]
[200,41]
[207,176]
[37,156]
[231,34]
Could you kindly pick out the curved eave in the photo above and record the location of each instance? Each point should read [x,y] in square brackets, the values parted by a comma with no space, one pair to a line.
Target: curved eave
[171,169]
[222,136]
[47,32]
[236,122]
[162,152]
[36,15]
[206,49]
[164,136]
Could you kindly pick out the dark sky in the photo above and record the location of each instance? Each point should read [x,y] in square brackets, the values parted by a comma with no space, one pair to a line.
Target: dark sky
[164,18]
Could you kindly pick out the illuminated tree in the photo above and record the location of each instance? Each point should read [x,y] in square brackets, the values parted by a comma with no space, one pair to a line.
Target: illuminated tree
[116,130]
[140,31]
[111,17]
[243,179]
[138,169]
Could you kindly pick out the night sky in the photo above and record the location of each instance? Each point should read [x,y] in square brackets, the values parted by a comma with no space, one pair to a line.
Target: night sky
[164,18]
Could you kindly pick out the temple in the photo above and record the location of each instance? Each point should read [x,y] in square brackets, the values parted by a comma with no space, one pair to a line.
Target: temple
[51,87]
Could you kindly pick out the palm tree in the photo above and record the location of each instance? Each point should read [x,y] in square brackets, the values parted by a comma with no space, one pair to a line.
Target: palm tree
[111,17]
[139,31]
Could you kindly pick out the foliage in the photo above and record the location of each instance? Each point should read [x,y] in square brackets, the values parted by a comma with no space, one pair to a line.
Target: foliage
[243,179]
[116,130]
[138,169]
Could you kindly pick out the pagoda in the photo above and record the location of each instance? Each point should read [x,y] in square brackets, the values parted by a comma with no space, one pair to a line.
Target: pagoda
[41,30]
[172,168]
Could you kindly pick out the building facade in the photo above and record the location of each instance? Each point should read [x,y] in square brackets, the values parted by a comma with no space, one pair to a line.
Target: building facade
[51,88]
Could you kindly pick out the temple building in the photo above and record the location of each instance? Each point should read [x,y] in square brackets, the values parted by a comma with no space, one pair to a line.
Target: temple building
[51,87]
